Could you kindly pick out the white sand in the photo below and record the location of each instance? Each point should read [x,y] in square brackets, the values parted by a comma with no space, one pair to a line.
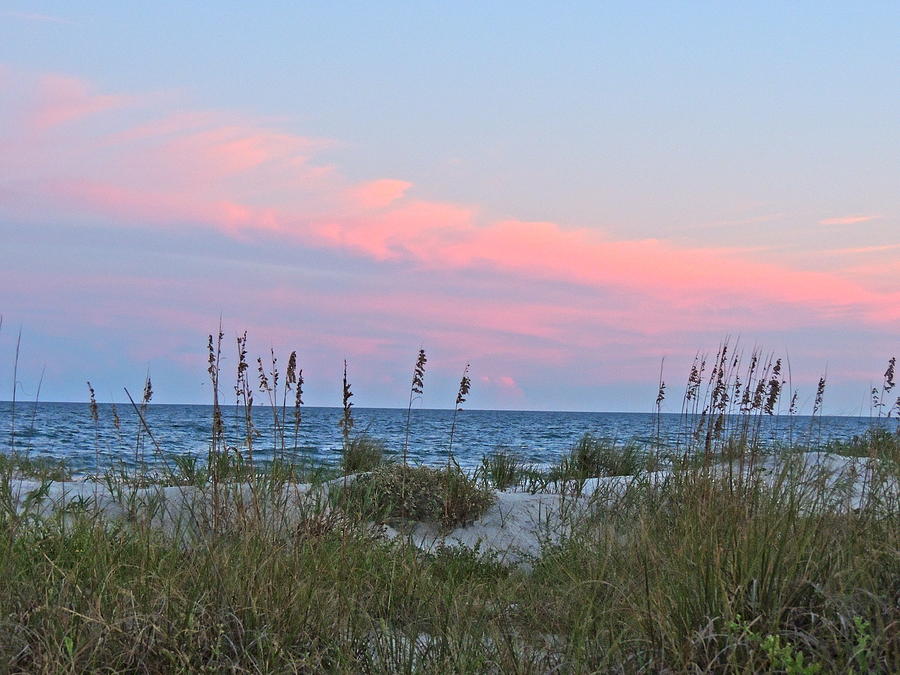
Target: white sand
[517,526]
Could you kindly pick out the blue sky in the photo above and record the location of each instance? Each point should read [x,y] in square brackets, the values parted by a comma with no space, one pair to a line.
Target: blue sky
[762,137]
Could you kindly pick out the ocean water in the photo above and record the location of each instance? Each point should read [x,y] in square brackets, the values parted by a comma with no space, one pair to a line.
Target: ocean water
[66,431]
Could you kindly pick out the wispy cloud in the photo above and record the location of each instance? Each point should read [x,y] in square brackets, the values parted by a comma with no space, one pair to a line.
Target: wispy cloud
[853,250]
[62,99]
[35,16]
[733,222]
[518,292]
[155,166]
[847,220]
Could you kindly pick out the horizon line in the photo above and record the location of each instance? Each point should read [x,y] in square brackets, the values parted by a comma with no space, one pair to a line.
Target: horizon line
[507,410]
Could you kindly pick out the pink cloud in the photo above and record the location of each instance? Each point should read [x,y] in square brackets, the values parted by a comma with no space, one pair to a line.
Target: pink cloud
[65,99]
[505,383]
[377,194]
[847,220]
[444,235]
[244,179]
[856,250]
[170,124]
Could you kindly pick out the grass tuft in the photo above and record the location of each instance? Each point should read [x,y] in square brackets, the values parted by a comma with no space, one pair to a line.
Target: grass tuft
[363,453]
[400,492]
[503,468]
[877,442]
[593,457]
[733,563]
[38,468]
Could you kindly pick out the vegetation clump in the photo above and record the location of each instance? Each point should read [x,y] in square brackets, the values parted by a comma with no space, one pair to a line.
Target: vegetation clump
[400,492]
[39,468]
[503,468]
[876,442]
[362,453]
[593,457]
[462,564]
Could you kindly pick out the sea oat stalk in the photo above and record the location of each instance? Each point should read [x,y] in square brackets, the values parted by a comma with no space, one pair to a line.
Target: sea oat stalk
[415,391]
[346,423]
[464,385]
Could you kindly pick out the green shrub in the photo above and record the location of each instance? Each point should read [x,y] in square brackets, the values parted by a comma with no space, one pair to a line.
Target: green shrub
[875,442]
[40,468]
[593,457]
[362,453]
[397,491]
[503,468]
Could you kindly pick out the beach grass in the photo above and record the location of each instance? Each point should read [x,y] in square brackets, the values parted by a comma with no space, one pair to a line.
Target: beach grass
[699,574]
[417,493]
[731,563]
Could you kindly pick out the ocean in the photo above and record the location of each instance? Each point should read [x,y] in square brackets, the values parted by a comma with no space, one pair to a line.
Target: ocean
[66,431]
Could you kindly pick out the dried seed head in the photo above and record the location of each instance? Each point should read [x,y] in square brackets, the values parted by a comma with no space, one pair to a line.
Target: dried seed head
[346,423]
[464,385]
[274,372]
[693,382]
[758,394]
[218,424]
[298,398]
[291,375]
[820,394]
[719,426]
[419,373]
[240,385]
[889,375]
[148,392]
[775,387]
[211,357]
[95,410]
[263,380]
[242,354]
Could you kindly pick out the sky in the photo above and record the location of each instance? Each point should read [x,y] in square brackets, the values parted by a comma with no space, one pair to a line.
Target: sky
[563,195]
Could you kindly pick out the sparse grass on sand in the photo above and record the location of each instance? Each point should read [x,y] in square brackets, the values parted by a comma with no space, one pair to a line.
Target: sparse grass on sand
[730,563]
[702,572]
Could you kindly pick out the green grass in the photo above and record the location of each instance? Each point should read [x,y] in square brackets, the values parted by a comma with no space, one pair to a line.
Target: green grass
[593,457]
[503,468]
[709,571]
[397,492]
[37,468]
[363,453]
[877,442]
[700,574]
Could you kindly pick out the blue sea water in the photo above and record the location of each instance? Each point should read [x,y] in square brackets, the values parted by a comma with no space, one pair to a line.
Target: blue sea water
[67,431]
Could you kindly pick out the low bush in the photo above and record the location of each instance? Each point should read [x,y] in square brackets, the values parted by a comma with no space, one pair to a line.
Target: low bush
[397,491]
[39,468]
[593,457]
[503,468]
[362,453]
[876,442]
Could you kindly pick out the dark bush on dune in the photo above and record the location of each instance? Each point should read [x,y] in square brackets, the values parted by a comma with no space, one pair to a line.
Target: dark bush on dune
[399,492]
